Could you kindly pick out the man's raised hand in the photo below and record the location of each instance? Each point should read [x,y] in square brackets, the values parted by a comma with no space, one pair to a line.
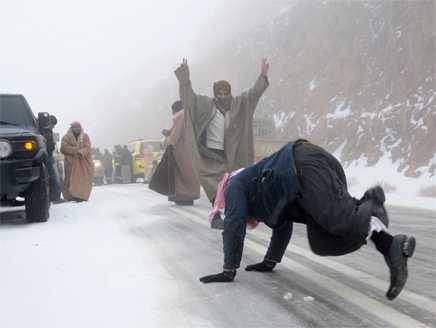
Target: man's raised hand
[265,67]
[184,63]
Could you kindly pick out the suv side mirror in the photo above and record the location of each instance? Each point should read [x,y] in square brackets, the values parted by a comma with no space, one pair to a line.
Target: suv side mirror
[44,120]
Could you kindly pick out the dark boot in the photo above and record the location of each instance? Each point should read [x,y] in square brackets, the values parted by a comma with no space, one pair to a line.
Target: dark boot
[16,202]
[185,202]
[377,197]
[217,223]
[402,248]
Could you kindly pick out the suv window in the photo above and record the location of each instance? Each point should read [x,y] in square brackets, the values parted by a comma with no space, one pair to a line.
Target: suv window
[157,145]
[131,147]
[14,111]
[265,129]
[256,129]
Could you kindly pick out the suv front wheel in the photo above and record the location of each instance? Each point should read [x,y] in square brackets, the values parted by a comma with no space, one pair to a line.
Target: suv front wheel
[37,198]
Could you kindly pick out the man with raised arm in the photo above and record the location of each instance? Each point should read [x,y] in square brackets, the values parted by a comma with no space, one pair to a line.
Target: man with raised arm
[219,129]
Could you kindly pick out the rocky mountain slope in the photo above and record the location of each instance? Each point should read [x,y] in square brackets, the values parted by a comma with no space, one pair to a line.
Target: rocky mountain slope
[356,77]
[352,76]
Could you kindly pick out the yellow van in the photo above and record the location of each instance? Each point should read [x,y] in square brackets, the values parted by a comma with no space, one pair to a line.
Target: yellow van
[136,147]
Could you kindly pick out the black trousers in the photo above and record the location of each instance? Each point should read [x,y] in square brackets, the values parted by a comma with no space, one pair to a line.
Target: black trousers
[336,223]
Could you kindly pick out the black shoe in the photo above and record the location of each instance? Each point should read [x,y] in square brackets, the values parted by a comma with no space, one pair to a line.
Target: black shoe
[217,223]
[402,248]
[60,201]
[16,202]
[12,202]
[79,200]
[185,203]
[377,197]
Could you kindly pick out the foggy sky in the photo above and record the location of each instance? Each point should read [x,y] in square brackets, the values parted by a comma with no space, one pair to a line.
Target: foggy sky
[60,54]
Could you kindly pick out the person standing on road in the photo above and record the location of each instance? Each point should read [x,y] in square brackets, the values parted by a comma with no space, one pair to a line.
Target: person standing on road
[175,176]
[55,180]
[304,183]
[126,165]
[148,162]
[117,163]
[78,164]
[107,163]
[219,129]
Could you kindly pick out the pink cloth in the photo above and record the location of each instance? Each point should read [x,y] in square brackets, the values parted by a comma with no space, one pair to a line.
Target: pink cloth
[81,129]
[180,112]
[220,201]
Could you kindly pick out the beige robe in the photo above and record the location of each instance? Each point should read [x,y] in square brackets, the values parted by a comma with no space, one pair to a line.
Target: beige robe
[175,176]
[148,163]
[78,165]
[239,144]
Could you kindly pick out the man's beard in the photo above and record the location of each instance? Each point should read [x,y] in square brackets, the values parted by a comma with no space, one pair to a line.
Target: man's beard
[222,102]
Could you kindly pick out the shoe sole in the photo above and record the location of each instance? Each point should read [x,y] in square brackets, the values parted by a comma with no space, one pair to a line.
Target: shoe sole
[409,246]
[396,288]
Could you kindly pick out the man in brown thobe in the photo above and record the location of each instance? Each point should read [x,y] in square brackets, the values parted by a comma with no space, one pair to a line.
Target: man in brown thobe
[78,164]
[175,176]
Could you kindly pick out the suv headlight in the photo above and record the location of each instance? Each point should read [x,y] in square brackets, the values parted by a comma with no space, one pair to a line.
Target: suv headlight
[97,165]
[5,148]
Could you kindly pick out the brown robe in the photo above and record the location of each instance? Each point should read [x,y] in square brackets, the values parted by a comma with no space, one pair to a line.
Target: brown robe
[175,176]
[78,165]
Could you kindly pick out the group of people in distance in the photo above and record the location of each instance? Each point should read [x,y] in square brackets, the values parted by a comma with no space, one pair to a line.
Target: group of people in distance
[300,183]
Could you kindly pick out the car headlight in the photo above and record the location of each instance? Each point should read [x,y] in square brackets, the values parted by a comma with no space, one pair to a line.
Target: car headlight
[97,165]
[23,146]
[5,148]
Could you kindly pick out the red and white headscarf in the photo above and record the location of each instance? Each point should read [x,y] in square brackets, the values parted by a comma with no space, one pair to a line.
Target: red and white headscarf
[81,129]
[220,201]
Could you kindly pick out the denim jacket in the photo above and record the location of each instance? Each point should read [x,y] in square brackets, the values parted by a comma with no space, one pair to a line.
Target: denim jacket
[261,191]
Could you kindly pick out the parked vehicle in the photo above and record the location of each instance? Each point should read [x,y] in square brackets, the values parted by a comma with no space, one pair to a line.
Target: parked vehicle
[98,172]
[23,157]
[136,147]
[266,141]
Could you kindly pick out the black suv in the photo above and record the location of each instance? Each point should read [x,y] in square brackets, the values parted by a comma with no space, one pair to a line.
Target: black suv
[23,157]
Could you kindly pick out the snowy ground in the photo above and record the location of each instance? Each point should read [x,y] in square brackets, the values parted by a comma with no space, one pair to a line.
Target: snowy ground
[128,258]
[361,178]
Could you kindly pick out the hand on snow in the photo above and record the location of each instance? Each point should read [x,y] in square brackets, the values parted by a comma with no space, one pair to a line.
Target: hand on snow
[262,266]
[225,276]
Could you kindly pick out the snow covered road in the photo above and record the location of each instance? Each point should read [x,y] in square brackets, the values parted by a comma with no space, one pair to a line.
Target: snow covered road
[129,258]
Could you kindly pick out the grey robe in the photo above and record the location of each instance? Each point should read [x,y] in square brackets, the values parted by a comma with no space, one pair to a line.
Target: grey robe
[239,149]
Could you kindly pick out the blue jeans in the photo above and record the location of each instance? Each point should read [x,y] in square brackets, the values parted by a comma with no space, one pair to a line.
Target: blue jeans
[55,185]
